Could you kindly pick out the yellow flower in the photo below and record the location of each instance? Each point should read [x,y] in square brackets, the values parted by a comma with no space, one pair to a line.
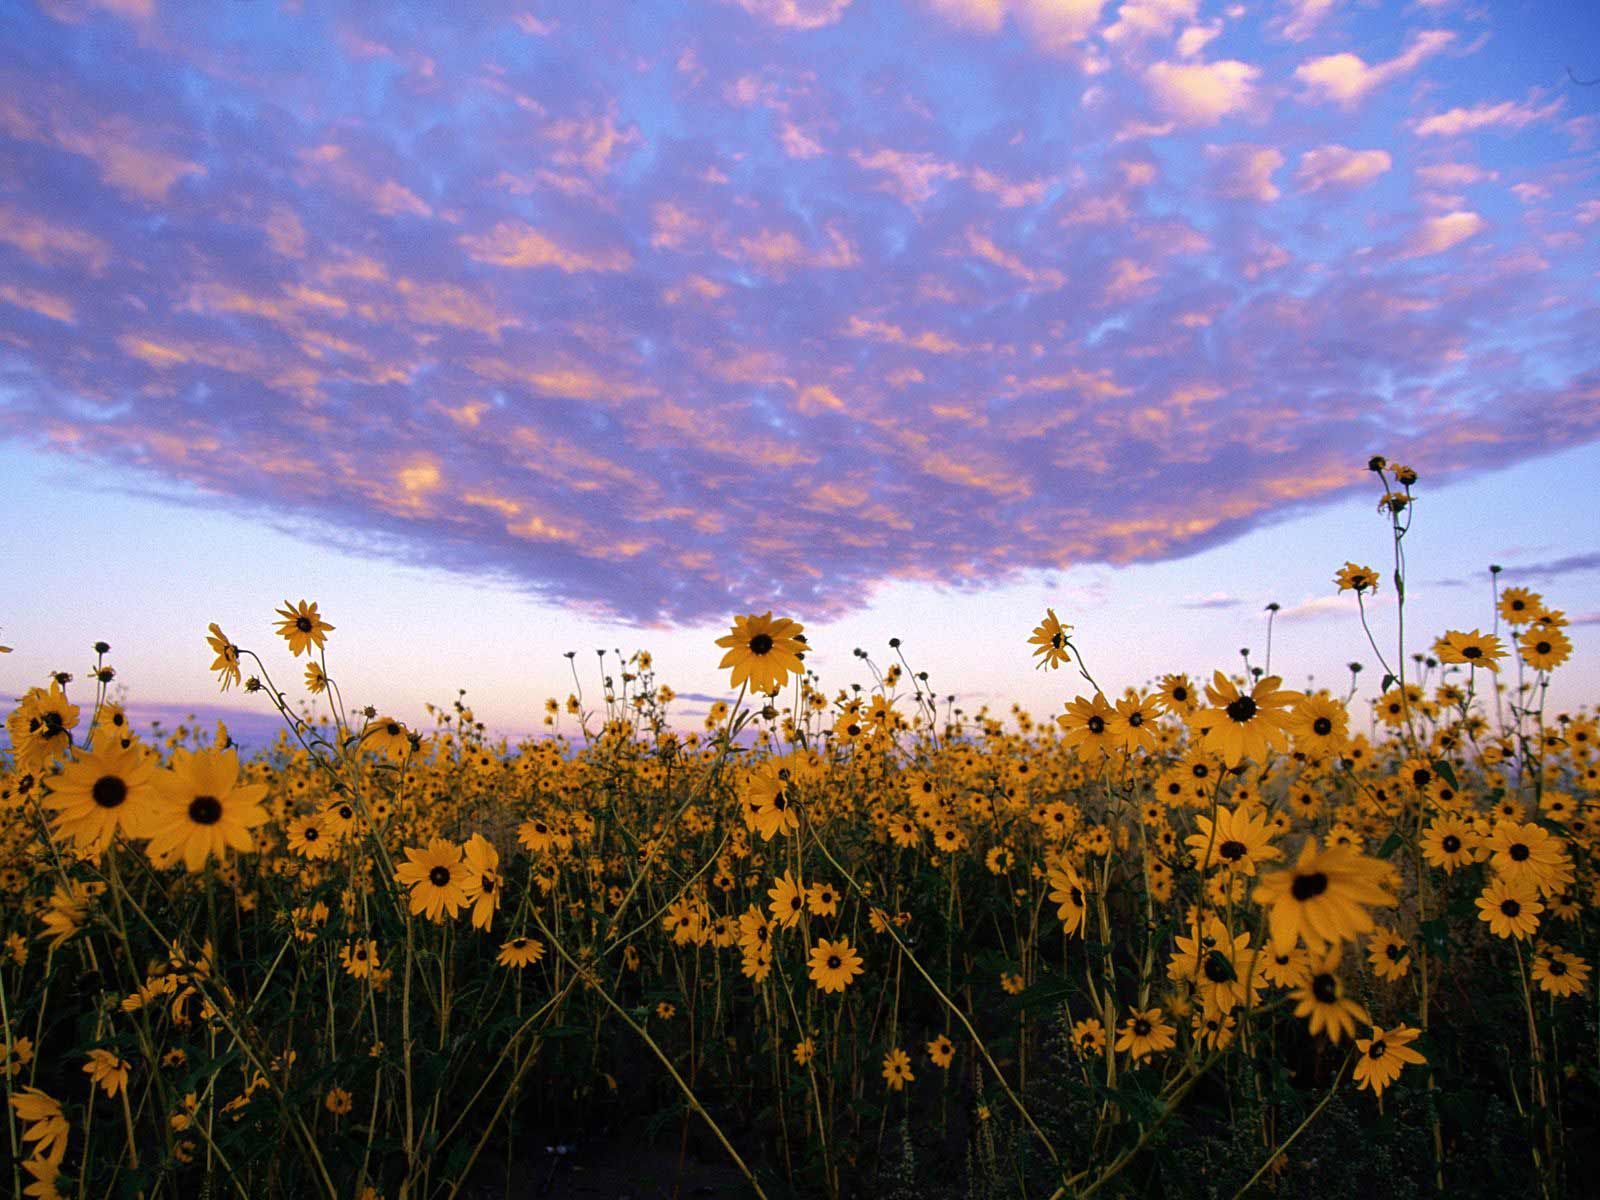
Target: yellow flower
[834,964]
[763,652]
[482,887]
[437,877]
[1050,638]
[942,1051]
[1242,725]
[226,663]
[1238,840]
[202,810]
[46,1124]
[520,952]
[897,1069]
[1356,578]
[1068,892]
[1322,898]
[788,899]
[107,1070]
[1321,999]
[1544,649]
[302,627]
[1383,1055]
[1471,649]
[1511,909]
[103,792]
[1144,1033]
[1559,972]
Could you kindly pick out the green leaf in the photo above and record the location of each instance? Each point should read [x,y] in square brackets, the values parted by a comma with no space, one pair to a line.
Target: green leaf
[1390,844]
[1443,770]
[1388,682]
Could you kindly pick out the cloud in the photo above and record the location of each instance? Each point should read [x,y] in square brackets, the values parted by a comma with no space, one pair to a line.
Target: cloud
[1346,79]
[744,314]
[1303,17]
[519,245]
[796,14]
[1507,114]
[1554,568]
[1214,600]
[1244,172]
[1340,167]
[1438,234]
[1202,93]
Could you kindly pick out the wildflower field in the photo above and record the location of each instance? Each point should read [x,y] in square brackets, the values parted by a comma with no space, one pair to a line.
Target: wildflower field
[1211,937]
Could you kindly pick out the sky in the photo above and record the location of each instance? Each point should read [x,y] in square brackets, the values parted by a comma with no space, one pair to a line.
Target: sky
[530,328]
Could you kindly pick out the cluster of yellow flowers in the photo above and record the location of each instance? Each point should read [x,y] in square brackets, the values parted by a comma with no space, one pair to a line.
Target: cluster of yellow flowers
[1168,874]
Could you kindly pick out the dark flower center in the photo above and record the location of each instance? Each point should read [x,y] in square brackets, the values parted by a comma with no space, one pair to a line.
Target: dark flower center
[1097,725]
[303,624]
[1180,694]
[1450,843]
[392,729]
[1511,908]
[1308,887]
[312,833]
[1471,652]
[1322,727]
[1519,852]
[1233,850]
[834,962]
[1141,1028]
[439,876]
[1557,968]
[1058,640]
[1218,969]
[1376,1050]
[109,791]
[1395,951]
[1242,709]
[205,810]
[1325,988]
[487,884]
[1136,720]
[1421,777]
[1542,647]
[761,644]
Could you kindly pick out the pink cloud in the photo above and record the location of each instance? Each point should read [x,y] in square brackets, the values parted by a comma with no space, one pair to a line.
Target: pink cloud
[517,244]
[912,176]
[1202,93]
[1340,167]
[1245,172]
[796,14]
[1508,114]
[1346,79]
[1304,16]
[1438,234]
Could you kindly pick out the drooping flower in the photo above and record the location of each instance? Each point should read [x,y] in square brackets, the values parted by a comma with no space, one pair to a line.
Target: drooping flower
[1050,639]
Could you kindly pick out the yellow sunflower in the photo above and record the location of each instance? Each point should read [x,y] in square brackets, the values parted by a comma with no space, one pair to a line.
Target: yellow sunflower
[763,652]
[202,809]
